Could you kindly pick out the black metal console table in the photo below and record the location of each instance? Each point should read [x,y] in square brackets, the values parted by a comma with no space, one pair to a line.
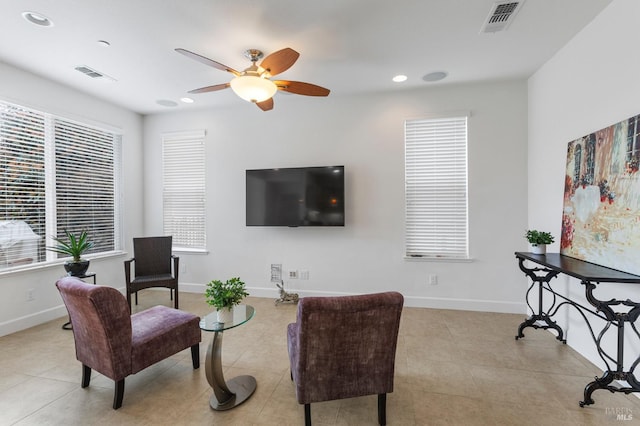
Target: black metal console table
[589,274]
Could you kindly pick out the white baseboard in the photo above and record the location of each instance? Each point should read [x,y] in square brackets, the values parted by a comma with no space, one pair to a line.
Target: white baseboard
[466,304]
[31,320]
[410,301]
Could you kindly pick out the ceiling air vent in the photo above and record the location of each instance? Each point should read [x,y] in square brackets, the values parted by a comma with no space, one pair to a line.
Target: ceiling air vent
[88,71]
[501,15]
[93,73]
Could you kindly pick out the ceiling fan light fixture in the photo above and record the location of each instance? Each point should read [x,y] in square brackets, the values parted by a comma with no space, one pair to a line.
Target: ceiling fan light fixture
[252,88]
[254,84]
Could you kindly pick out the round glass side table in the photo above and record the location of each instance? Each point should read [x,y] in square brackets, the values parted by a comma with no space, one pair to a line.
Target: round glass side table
[231,393]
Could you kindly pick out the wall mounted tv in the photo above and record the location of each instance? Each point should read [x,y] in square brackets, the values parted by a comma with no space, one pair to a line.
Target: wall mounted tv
[301,196]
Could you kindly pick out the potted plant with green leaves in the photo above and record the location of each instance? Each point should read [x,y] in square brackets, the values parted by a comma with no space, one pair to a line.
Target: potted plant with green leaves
[224,296]
[73,246]
[538,240]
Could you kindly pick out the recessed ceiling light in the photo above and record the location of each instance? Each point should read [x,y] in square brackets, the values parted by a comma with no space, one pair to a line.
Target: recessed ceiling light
[399,78]
[37,19]
[435,76]
[104,43]
[167,103]
[187,100]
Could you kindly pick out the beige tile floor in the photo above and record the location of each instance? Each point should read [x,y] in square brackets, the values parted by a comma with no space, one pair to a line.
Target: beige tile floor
[452,368]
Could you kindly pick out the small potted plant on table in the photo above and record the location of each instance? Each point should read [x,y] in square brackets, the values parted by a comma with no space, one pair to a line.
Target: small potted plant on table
[539,240]
[74,246]
[224,296]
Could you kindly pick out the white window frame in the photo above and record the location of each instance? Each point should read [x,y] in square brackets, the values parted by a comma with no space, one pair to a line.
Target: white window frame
[184,189]
[436,188]
[79,196]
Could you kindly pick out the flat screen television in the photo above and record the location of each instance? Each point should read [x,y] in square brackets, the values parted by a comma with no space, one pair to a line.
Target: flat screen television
[301,196]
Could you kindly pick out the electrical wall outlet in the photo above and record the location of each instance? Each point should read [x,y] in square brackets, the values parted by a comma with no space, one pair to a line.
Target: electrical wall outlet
[31,295]
[293,275]
[304,274]
[433,279]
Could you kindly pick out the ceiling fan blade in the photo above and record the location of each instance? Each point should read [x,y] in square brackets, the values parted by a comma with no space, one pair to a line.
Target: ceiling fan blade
[213,88]
[265,105]
[207,61]
[301,88]
[280,61]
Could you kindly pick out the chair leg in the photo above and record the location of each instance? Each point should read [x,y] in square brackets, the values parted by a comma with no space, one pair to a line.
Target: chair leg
[119,394]
[307,414]
[382,409]
[86,376]
[171,293]
[129,299]
[176,299]
[136,298]
[195,356]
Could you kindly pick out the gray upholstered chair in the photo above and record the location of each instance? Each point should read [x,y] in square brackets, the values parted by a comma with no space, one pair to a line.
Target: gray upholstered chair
[344,347]
[152,267]
[115,343]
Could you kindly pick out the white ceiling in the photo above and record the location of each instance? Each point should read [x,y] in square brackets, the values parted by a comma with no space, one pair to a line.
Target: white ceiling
[348,46]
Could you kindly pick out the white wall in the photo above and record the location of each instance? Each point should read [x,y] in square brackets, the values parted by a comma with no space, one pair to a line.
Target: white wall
[364,133]
[29,90]
[590,84]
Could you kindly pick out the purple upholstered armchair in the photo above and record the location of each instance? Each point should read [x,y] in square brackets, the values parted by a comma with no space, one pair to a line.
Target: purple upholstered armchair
[111,341]
[344,347]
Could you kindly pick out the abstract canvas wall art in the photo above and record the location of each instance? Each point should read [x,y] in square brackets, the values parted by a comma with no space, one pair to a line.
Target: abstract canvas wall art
[601,212]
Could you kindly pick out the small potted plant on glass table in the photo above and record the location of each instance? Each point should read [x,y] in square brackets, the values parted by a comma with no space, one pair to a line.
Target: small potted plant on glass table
[224,296]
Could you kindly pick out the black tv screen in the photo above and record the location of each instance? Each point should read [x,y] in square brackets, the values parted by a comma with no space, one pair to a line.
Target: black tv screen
[302,196]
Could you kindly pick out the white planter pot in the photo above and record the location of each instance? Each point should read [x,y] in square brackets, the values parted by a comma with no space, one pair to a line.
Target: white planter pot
[539,249]
[225,315]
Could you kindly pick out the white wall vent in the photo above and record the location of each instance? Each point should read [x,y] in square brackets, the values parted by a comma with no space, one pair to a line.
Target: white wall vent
[501,15]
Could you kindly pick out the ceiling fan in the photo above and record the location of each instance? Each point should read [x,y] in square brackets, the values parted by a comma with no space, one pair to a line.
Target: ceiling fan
[254,84]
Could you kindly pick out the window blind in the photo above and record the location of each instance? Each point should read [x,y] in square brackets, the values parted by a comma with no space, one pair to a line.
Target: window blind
[436,221]
[22,186]
[86,182]
[55,174]
[183,165]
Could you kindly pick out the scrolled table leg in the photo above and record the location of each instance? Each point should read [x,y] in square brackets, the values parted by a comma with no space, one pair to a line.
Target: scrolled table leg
[599,383]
